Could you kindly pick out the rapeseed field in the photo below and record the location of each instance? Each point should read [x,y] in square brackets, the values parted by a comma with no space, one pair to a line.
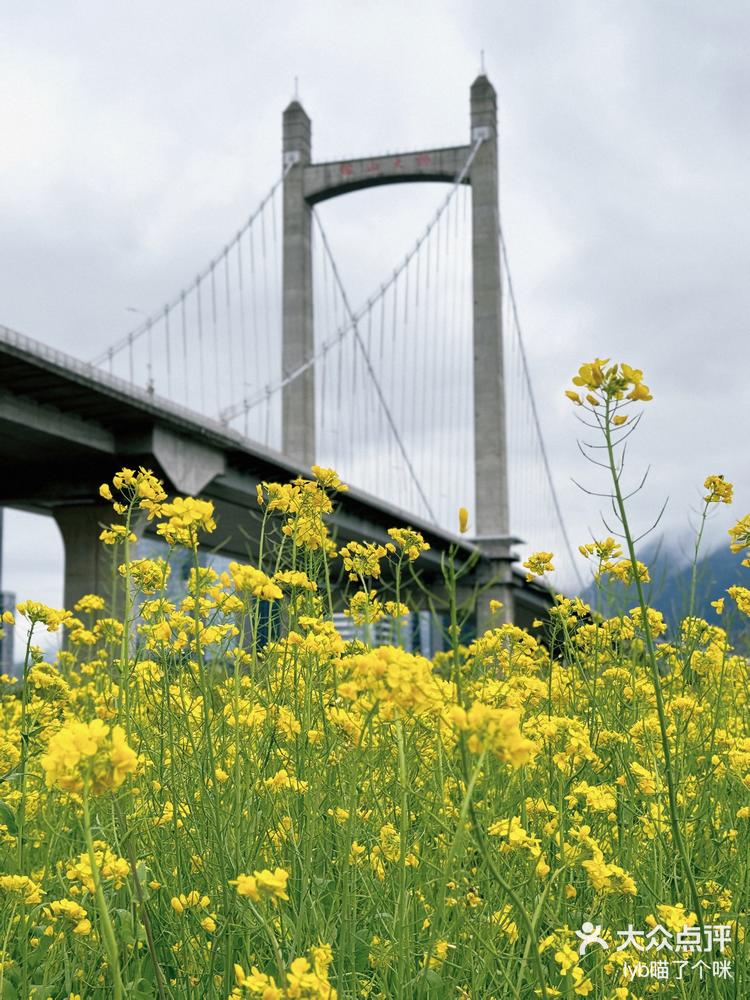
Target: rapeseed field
[219,796]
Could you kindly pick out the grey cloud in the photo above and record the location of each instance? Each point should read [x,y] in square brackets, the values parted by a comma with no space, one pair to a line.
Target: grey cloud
[141,136]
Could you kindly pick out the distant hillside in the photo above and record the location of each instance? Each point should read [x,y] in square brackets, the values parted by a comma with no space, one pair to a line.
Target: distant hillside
[669,590]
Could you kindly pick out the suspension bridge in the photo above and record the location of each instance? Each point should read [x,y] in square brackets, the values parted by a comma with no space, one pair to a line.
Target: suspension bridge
[261,365]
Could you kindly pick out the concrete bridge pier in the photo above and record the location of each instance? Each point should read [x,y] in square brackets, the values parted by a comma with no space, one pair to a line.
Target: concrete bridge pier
[496,575]
[89,564]
[187,467]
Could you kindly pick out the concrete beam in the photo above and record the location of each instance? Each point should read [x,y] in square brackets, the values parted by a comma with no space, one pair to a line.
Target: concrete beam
[190,465]
[328,180]
[33,416]
[356,516]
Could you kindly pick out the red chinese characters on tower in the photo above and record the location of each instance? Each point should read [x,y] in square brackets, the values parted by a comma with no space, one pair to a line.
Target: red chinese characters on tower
[346,169]
[424,160]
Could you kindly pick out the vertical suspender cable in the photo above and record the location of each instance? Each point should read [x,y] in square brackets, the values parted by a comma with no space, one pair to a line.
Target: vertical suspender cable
[150,373]
[228,301]
[185,366]
[535,414]
[201,359]
[169,351]
[215,326]
[358,343]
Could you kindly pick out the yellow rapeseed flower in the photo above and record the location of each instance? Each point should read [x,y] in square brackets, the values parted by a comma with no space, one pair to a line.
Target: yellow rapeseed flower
[254,581]
[263,884]
[21,885]
[719,490]
[362,559]
[70,911]
[538,564]
[35,612]
[88,754]
[409,541]
[463,520]
[614,382]
[185,518]
[328,479]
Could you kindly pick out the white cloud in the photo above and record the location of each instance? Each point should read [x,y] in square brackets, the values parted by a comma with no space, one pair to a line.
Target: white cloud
[137,138]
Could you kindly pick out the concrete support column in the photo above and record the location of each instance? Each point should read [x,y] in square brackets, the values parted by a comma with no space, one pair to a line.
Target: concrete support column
[298,398]
[496,574]
[490,451]
[88,562]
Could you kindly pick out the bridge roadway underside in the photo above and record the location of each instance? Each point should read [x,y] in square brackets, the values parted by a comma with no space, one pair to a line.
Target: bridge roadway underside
[66,427]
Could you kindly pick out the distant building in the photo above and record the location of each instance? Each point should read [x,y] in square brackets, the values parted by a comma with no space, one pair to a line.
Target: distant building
[382,633]
[419,632]
[7,662]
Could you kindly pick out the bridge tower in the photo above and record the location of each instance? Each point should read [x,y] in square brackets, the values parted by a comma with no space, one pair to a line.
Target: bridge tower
[305,184]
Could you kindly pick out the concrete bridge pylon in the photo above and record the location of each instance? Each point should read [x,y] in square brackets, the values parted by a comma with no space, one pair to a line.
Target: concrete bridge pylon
[305,184]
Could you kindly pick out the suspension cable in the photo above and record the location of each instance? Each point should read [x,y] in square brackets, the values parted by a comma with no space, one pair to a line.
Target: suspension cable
[535,412]
[230,412]
[138,331]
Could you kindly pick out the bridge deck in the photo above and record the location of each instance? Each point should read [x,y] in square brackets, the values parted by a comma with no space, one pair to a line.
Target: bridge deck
[66,426]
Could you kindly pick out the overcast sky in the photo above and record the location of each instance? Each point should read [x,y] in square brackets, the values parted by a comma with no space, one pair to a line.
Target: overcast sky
[136,137]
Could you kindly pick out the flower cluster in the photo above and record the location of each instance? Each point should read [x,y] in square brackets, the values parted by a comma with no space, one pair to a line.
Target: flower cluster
[70,912]
[495,729]
[248,579]
[110,866]
[23,887]
[307,979]
[538,564]
[363,559]
[88,755]
[185,519]
[304,503]
[740,535]
[719,490]
[139,489]
[604,551]
[608,383]
[36,613]
[410,542]
[262,885]
[329,479]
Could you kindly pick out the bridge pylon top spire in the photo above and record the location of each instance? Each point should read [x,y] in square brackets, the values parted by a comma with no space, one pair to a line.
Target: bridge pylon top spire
[483,105]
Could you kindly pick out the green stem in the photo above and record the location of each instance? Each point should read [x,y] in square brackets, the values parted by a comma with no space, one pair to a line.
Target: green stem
[694,573]
[21,818]
[402,896]
[108,932]
[125,642]
[651,650]
[145,919]
[467,776]
[24,750]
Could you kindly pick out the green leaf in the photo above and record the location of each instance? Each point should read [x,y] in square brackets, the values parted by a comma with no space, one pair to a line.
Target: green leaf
[124,920]
[8,818]
[433,980]
[139,989]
